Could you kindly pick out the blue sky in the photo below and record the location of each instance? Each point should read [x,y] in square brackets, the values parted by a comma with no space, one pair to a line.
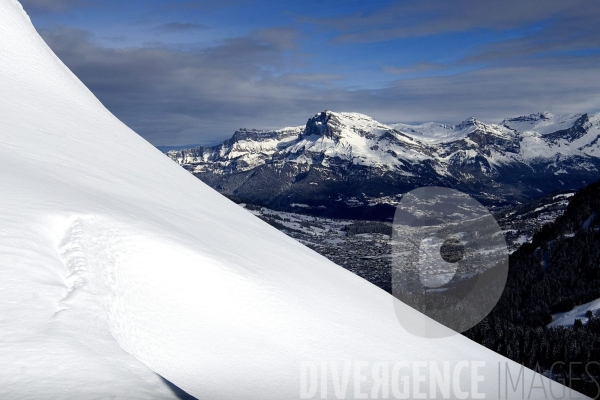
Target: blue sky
[193,71]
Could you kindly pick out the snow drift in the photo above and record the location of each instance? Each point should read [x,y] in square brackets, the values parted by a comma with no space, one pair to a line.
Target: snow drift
[116,264]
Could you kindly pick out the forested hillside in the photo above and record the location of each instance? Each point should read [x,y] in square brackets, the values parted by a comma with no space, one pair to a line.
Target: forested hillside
[558,270]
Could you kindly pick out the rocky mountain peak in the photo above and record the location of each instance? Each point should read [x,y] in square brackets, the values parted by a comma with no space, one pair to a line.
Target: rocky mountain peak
[318,125]
[336,125]
[531,118]
[471,121]
[256,135]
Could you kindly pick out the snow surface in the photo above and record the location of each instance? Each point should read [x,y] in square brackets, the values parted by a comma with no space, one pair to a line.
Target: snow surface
[568,318]
[542,123]
[433,132]
[116,264]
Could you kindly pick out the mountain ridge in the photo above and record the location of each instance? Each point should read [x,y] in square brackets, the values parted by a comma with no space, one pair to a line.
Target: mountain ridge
[367,161]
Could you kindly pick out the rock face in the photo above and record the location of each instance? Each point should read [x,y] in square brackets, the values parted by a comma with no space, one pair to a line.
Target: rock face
[342,164]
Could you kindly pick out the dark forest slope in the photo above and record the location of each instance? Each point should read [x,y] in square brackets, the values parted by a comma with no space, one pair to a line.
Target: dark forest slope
[559,269]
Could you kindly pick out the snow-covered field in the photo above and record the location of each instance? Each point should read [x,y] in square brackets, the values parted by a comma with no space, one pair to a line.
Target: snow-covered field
[116,264]
[568,318]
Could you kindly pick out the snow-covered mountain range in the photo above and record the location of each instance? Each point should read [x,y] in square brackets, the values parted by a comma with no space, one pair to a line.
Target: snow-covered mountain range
[348,160]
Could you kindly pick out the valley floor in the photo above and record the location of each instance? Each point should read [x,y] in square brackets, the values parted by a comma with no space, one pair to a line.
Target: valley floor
[369,254]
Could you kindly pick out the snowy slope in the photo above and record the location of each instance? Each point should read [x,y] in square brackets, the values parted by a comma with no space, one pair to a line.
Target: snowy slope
[542,123]
[433,132]
[568,318]
[115,262]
